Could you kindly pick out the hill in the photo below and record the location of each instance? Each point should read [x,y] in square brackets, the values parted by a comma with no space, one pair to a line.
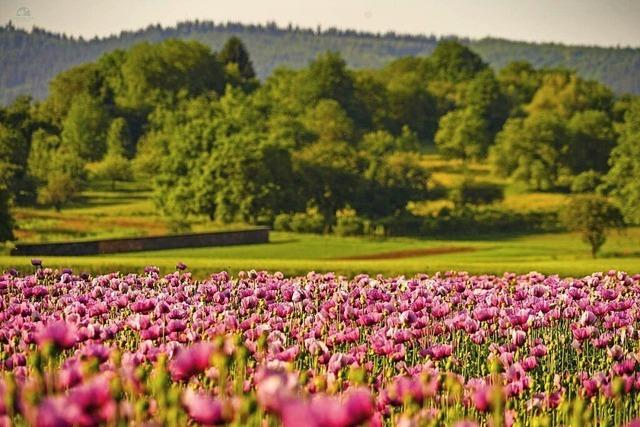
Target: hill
[31,59]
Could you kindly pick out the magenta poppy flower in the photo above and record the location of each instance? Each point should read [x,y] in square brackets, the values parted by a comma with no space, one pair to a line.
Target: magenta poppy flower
[191,361]
[61,334]
[176,325]
[204,409]
[440,351]
[143,306]
[94,403]
[358,406]
[481,398]
[55,412]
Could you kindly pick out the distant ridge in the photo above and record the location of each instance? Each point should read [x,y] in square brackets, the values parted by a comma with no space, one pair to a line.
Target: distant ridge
[29,59]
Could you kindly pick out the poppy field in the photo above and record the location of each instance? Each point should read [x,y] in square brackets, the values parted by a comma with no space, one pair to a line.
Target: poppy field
[263,349]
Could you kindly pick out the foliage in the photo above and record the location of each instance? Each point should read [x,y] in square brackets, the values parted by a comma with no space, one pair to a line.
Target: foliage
[159,73]
[57,168]
[591,140]
[115,166]
[59,189]
[470,192]
[592,216]
[586,182]
[17,124]
[624,175]
[84,128]
[235,52]
[455,62]
[6,219]
[531,150]
[213,141]
[463,134]
[34,58]
[487,220]
[348,223]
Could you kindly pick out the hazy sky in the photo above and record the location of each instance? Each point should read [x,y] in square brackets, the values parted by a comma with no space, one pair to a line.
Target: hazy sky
[601,22]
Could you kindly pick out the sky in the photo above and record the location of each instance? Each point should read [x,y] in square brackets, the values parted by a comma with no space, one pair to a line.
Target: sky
[591,22]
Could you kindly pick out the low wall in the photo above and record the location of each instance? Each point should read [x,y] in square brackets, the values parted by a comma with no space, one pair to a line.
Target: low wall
[110,246]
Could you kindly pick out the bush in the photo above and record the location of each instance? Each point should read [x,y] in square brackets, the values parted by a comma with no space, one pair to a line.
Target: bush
[488,220]
[405,224]
[475,193]
[586,182]
[348,223]
[282,222]
[307,222]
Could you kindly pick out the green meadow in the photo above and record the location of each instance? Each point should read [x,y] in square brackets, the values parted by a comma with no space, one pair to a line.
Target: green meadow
[103,212]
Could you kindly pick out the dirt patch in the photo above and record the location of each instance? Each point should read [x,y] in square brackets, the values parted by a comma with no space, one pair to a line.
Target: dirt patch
[410,253]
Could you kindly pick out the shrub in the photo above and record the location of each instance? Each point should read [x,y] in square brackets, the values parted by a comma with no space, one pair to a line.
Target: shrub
[475,193]
[487,220]
[282,222]
[348,223]
[307,222]
[404,224]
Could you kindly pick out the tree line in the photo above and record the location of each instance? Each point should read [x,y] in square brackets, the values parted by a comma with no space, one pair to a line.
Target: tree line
[32,59]
[323,141]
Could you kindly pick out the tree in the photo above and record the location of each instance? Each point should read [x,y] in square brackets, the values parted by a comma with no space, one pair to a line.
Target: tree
[59,170]
[17,124]
[118,138]
[463,134]
[519,82]
[455,62]
[484,95]
[329,173]
[216,159]
[329,122]
[159,73]
[59,189]
[410,104]
[592,216]
[591,140]
[235,52]
[532,150]
[85,79]
[84,128]
[564,93]
[624,175]
[6,220]
[115,166]
[327,77]
[388,183]
[381,142]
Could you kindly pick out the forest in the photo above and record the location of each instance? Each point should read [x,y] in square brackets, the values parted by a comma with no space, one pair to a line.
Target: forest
[325,148]
[31,59]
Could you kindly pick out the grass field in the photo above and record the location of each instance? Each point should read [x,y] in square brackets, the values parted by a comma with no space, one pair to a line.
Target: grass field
[563,254]
[128,211]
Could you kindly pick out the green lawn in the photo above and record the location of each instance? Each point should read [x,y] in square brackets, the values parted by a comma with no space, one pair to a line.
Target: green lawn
[290,253]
